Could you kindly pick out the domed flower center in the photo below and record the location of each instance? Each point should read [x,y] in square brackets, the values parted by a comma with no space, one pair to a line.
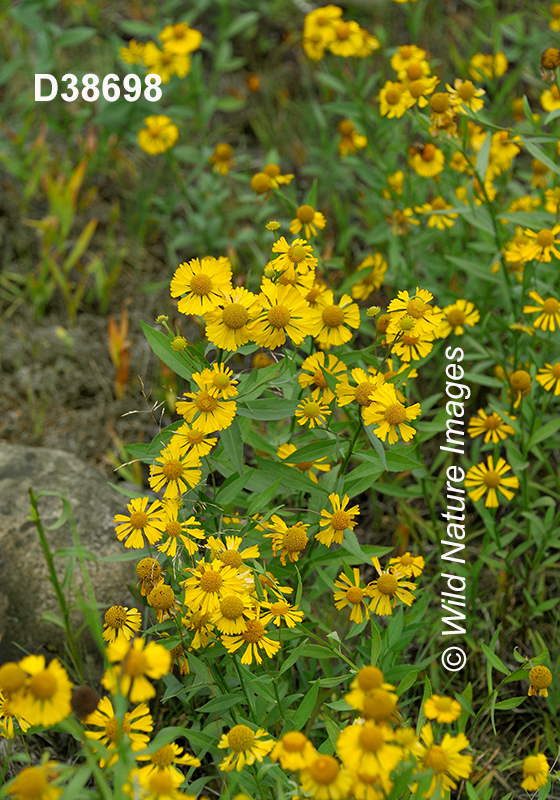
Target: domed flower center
[387,584]
[410,339]
[12,677]
[272,170]
[172,469]
[166,58]
[555,10]
[414,71]
[211,581]
[354,595]
[201,284]
[492,422]
[312,409]
[161,597]
[305,213]
[428,154]
[395,414]
[342,30]
[456,317]
[407,323]
[205,402]
[370,678]
[261,183]
[231,557]
[232,607]
[136,664]
[439,102]
[43,685]
[139,519]
[551,306]
[417,88]
[223,151]
[417,307]
[195,436]
[163,757]
[540,677]
[406,560]
[439,204]
[340,520]
[241,738]
[466,91]
[31,784]
[545,238]
[279,609]
[303,466]
[393,94]
[346,127]
[532,765]
[363,393]
[556,369]
[520,380]
[148,568]
[294,741]
[492,478]
[437,759]
[550,59]
[279,316]
[254,632]
[378,705]
[295,539]
[324,770]
[371,738]
[333,316]
[406,52]
[444,703]
[115,616]
[173,528]
[319,379]
[297,252]
[221,380]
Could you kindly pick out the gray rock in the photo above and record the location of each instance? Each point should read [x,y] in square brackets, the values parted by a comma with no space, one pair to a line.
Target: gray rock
[26,592]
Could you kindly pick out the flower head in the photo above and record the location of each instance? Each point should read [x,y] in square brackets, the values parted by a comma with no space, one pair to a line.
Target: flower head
[389,414]
[331,322]
[246,746]
[548,311]
[445,759]
[136,724]
[174,471]
[351,594]
[132,664]
[159,135]
[490,478]
[442,709]
[121,621]
[388,589]
[200,284]
[222,158]
[336,522]
[535,772]
[48,692]
[549,377]
[141,521]
[540,679]
[294,751]
[309,219]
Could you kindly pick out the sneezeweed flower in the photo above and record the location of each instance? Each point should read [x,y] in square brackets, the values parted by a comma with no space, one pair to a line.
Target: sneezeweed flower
[406,55]
[336,522]
[442,708]
[394,100]
[372,280]
[324,779]
[493,426]
[209,583]
[276,178]
[388,589]
[290,540]
[293,750]
[312,411]
[36,783]
[246,745]
[442,114]
[313,374]
[439,221]
[230,552]
[464,94]
[535,772]
[162,600]
[400,221]
[180,38]
[121,621]
[286,450]
[159,135]
[232,614]
[490,478]
[209,413]
[554,23]
[409,565]
[549,377]
[296,257]
[368,748]
[456,316]
[379,705]
[540,679]
[192,439]
[395,183]
[410,345]
[222,158]
[417,306]
[428,161]
[543,244]
[48,692]
[254,636]
[331,322]
[200,624]
[163,761]
[136,724]
[200,284]
[166,62]
[132,665]
[174,472]
[227,325]
[351,594]
[421,88]
[285,313]
[348,39]
[149,575]
[389,414]
[488,66]
[132,54]
[219,380]
[308,219]
[550,98]
[280,610]
[362,392]
[520,382]
[7,717]
[550,61]
[502,152]
[548,311]
[141,522]
[445,759]
[350,140]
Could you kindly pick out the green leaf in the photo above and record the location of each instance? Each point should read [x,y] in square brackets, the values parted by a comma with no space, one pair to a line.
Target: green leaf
[223,702]
[161,346]
[293,657]
[377,444]
[314,451]
[375,648]
[407,682]
[494,660]
[511,702]
[268,409]
[546,432]
[73,36]
[304,711]
[233,445]
[483,156]
[537,152]
[261,500]
[317,651]
[241,23]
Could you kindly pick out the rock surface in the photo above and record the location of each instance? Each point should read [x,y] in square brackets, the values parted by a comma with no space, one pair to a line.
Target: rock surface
[26,592]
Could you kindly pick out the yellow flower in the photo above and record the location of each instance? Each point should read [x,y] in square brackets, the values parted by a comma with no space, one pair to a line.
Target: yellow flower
[163,760]
[442,708]
[367,748]
[492,426]
[539,178]
[421,88]
[321,22]
[210,583]
[488,66]
[427,162]
[445,760]
[414,68]
[535,768]
[367,680]
[439,221]
[309,219]
[348,39]
[121,621]
[48,691]
[373,279]
[286,450]
[295,257]
[410,345]
[415,307]
[464,94]
[191,439]
[350,594]
[132,665]
[166,62]
[550,98]
[362,393]
[324,779]
[386,590]
[540,679]
[179,530]
[548,311]
[7,717]
[502,152]
[294,751]
[246,747]
[408,565]
[174,471]
[312,411]
[35,783]
[389,414]
[337,521]
[400,221]
[487,478]
[394,100]
[280,610]
[407,54]
[209,412]
[442,116]
[227,324]
[133,53]
[313,375]
[202,284]
[229,552]
[520,382]
[255,638]
[222,158]
[136,724]
[554,23]
[273,172]
[548,376]
[159,135]
[329,320]
[350,140]
[142,521]
[285,313]
[455,316]
[179,38]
